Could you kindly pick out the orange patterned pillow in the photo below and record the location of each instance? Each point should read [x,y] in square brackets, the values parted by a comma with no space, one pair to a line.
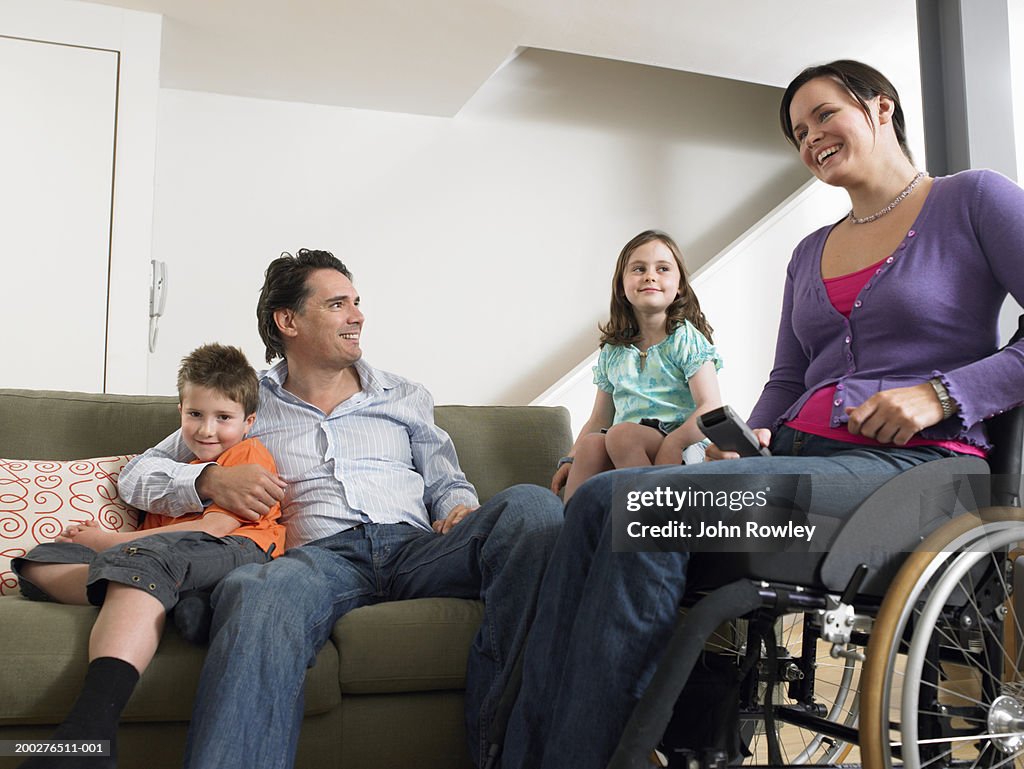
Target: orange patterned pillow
[39,498]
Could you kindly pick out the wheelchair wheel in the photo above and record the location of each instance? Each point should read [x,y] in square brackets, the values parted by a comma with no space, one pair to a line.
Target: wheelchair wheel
[943,683]
[809,684]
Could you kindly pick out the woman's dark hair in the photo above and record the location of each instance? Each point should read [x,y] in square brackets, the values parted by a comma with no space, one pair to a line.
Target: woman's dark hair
[863,83]
[622,328]
[285,288]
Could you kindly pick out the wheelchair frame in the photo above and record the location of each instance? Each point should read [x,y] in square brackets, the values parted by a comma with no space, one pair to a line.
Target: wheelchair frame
[951,602]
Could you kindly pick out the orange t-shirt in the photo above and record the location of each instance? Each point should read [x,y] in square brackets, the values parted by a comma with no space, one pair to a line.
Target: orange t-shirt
[267,530]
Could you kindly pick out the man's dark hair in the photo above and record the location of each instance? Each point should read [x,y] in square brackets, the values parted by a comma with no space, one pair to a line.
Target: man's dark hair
[285,287]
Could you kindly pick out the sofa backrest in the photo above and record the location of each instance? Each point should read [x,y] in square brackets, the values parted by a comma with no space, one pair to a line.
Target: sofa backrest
[498,446]
[50,424]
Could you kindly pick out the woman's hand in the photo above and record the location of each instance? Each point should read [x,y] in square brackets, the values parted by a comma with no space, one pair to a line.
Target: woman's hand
[560,477]
[896,416]
[764,437]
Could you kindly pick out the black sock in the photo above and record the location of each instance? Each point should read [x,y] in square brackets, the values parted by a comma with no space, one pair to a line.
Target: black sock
[109,682]
[193,615]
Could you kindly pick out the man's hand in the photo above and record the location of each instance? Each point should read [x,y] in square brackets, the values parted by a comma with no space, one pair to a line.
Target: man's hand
[764,437]
[248,491]
[89,534]
[457,514]
[896,416]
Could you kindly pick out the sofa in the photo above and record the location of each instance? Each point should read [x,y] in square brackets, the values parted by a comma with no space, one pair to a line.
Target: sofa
[386,690]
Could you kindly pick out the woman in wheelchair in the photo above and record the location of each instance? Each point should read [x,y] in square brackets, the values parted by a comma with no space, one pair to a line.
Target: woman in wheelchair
[887,359]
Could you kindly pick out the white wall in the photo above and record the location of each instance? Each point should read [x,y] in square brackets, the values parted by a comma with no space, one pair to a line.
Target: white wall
[136,36]
[482,244]
[1015,14]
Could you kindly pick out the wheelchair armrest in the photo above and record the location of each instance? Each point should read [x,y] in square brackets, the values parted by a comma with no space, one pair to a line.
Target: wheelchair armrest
[1006,432]
[895,518]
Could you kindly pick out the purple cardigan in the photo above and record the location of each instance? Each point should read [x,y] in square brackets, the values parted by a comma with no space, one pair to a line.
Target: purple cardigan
[932,309]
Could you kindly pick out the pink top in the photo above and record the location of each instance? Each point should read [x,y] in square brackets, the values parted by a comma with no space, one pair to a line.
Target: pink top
[817,411]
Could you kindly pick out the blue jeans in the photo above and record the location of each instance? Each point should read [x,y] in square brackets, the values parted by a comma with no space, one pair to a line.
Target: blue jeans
[604,617]
[271,620]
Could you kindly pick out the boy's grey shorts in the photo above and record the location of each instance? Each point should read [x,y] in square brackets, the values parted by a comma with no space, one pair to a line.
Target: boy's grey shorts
[163,565]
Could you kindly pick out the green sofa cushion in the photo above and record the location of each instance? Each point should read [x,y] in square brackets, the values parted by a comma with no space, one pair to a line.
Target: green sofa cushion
[43,660]
[406,646]
[500,446]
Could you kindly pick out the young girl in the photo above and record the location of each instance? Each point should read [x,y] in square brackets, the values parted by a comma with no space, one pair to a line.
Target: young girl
[656,372]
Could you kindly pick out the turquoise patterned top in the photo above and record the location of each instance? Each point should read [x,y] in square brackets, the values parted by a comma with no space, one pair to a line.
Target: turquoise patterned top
[659,390]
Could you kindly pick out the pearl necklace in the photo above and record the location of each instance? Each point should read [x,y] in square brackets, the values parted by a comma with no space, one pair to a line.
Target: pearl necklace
[899,199]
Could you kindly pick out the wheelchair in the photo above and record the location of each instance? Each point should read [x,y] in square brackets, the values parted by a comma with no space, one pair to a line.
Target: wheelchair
[904,651]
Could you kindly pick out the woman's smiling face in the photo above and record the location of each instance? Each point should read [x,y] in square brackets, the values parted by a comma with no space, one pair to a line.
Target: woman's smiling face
[832,132]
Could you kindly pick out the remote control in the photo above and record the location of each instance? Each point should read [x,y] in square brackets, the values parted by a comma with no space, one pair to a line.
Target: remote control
[730,433]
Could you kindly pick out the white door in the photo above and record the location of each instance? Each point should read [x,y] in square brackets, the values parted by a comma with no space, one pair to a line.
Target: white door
[58,106]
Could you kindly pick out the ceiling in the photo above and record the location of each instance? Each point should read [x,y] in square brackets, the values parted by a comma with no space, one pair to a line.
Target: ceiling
[430,56]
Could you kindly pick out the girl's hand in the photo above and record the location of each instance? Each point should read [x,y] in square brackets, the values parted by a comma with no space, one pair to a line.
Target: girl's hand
[560,477]
[896,416]
[764,437]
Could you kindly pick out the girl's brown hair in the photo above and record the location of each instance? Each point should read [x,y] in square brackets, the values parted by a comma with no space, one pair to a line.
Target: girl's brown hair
[622,328]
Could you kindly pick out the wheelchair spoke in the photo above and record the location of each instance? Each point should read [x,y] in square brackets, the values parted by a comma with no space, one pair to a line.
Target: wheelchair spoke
[969,738]
[940,714]
[1005,761]
[1001,710]
[942,683]
[726,644]
[974,605]
[835,699]
[941,757]
[947,634]
[1018,630]
[998,641]
[958,693]
[953,693]
[981,755]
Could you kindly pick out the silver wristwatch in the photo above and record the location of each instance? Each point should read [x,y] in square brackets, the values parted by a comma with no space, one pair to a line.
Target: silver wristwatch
[949,407]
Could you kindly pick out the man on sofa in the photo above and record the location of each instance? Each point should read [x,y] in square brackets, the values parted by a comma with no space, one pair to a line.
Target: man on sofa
[376,509]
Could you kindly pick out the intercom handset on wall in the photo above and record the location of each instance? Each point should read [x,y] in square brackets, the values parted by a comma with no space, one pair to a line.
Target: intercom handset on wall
[157,290]
[157,299]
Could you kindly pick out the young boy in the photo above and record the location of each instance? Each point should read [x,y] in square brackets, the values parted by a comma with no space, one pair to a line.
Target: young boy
[137,577]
